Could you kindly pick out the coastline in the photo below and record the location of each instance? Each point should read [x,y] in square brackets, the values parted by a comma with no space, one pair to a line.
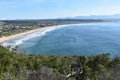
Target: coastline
[6,38]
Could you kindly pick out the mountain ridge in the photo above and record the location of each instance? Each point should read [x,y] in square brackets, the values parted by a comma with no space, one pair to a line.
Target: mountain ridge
[115,16]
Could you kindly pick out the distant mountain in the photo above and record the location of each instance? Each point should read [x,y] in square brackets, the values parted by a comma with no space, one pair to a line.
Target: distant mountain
[117,16]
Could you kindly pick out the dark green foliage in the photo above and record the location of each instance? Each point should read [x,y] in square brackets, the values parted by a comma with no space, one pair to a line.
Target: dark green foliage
[41,67]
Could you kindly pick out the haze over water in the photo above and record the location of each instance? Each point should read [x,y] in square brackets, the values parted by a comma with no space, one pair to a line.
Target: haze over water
[80,39]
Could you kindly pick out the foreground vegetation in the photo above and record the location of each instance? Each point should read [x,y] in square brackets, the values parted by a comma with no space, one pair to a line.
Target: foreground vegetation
[41,67]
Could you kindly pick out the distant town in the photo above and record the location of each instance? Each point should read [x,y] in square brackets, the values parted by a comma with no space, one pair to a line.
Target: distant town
[10,27]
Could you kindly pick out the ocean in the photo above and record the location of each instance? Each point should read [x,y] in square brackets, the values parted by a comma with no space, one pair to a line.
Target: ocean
[76,39]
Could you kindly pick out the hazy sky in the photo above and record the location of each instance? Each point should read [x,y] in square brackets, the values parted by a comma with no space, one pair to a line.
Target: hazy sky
[39,9]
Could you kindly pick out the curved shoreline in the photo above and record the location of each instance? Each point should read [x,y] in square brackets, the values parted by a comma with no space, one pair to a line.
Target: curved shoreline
[3,39]
[7,38]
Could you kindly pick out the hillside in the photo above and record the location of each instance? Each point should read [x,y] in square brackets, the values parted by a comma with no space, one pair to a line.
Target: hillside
[42,67]
[116,16]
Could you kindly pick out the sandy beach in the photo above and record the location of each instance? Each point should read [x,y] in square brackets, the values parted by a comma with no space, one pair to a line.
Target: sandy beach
[6,38]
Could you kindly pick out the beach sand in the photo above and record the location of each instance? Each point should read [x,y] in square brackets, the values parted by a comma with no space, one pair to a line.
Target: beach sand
[6,38]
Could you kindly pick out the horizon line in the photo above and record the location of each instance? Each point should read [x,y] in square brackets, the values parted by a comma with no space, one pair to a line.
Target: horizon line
[68,17]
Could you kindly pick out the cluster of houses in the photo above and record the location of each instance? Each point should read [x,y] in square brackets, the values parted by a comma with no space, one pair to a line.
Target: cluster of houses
[5,27]
[1,25]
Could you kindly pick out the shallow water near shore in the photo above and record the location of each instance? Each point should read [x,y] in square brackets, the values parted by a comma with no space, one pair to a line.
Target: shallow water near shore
[80,39]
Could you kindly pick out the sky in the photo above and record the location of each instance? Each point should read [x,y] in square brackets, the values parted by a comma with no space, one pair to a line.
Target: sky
[44,9]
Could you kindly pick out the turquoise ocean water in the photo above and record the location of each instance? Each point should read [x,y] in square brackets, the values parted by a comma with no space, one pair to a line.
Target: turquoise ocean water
[80,39]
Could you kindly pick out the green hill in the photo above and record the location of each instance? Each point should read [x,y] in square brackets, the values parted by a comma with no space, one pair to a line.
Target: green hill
[41,67]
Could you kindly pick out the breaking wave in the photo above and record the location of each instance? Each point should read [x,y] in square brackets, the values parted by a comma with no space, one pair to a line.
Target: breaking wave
[20,40]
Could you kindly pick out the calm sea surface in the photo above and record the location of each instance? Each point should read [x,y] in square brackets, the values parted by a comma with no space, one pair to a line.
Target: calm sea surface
[82,39]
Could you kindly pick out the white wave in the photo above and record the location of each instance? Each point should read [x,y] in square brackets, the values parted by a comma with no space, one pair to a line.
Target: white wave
[20,40]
